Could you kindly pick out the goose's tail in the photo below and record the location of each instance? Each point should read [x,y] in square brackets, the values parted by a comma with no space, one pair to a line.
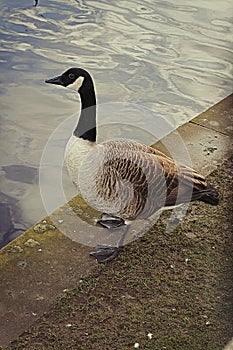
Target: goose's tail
[208,195]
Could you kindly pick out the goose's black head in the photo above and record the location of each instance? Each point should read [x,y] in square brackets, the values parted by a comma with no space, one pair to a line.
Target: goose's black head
[74,78]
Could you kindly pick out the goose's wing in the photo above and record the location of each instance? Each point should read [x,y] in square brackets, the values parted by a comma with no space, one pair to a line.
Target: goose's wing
[184,184]
[179,178]
[134,176]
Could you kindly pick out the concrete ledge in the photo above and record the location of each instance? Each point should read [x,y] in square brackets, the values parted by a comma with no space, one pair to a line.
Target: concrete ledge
[229,346]
[208,137]
[41,263]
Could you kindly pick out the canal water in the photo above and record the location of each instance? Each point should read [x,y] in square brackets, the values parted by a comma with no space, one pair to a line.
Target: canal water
[169,57]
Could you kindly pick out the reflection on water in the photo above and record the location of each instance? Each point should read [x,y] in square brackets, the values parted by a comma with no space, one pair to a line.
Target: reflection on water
[168,56]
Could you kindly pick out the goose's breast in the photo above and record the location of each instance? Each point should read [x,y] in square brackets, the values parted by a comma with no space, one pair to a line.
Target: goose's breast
[75,152]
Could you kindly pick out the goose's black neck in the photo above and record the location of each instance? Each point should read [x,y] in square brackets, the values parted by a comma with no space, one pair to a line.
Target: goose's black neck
[86,127]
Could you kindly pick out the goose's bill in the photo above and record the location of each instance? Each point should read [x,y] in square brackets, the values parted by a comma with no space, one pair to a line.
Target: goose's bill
[56,80]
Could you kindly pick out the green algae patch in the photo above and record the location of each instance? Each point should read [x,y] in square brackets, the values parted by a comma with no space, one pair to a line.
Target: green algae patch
[24,243]
[43,227]
[49,229]
[176,287]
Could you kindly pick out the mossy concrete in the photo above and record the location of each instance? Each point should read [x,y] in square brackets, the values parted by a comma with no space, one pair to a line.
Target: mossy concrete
[40,264]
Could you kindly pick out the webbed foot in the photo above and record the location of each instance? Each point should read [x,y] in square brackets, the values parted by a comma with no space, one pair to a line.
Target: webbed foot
[110,221]
[105,253]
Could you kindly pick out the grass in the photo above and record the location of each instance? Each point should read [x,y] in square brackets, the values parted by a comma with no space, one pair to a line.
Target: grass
[177,286]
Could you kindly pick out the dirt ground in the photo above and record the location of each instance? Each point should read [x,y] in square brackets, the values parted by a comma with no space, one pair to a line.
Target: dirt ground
[170,291]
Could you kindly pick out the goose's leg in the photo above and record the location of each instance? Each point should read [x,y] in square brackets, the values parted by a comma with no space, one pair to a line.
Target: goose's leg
[104,252]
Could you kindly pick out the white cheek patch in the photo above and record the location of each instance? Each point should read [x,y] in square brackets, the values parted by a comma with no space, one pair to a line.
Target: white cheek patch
[76,84]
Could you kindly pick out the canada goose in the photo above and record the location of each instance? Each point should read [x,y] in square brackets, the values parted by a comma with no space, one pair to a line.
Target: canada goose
[123,179]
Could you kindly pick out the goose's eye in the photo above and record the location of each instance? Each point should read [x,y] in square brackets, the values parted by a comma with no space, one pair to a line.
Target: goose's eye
[71,76]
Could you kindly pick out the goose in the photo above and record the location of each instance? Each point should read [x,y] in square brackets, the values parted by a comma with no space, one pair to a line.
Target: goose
[123,179]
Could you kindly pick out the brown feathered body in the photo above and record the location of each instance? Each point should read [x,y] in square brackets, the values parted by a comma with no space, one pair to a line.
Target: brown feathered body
[131,180]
